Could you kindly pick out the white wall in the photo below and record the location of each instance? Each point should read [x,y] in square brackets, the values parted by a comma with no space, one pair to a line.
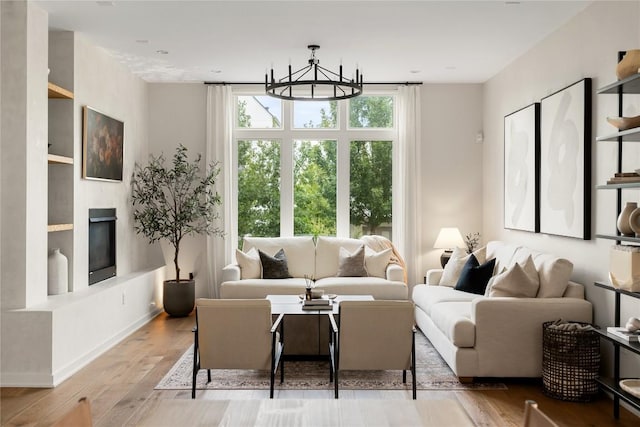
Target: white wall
[586,46]
[451,164]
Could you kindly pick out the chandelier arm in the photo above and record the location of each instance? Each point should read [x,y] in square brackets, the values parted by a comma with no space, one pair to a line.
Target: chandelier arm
[294,77]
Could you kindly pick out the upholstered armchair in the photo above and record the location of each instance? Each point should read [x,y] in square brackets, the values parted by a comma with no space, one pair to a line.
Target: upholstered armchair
[236,334]
[373,335]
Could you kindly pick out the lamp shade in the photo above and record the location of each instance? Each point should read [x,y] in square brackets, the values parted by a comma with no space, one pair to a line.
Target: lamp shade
[448,238]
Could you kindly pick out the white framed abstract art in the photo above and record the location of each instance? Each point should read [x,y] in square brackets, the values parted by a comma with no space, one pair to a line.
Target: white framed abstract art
[521,165]
[565,162]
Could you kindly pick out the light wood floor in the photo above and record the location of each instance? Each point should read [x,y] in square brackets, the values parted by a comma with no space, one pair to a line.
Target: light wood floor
[120,386]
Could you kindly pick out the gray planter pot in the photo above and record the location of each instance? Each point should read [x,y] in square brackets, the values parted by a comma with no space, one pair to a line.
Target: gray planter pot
[179,298]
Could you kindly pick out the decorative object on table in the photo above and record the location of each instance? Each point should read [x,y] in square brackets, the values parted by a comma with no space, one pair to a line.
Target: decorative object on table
[102,146]
[521,169]
[624,178]
[325,85]
[631,386]
[570,360]
[171,202]
[448,238]
[629,64]
[623,219]
[634,221]
[472,240]
[308,286]
[624,333]
[57,273]
[624,123]
[624,267]
[565,162]
[633,324]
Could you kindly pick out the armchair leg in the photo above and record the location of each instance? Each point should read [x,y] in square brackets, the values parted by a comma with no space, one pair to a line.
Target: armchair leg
[208,376]
[413,364]
[196,364]
[404,376]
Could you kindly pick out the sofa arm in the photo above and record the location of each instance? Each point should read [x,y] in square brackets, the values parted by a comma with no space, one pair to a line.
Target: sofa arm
[434,275]
[231,273]
[395,273]
[513,327]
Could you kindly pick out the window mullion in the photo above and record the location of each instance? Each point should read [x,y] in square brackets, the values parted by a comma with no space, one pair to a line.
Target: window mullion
[286,173]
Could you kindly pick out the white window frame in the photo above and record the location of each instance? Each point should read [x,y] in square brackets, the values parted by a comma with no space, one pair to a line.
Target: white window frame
[343,136]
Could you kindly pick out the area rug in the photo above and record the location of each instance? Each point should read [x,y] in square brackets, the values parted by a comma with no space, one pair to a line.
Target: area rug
[431,370]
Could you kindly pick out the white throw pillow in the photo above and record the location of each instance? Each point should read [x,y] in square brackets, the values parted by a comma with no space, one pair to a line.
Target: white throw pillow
[376,262]
[459,257]
[520,281]
[250,266]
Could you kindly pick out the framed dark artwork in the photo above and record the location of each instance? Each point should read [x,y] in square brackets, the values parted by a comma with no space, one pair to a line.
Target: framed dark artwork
[565,162]
[521,169]
[102,146]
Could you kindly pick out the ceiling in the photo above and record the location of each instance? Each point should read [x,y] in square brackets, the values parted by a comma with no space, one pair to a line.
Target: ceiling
[429,41]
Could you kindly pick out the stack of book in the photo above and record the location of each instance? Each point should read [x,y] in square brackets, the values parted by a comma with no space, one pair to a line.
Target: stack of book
[317,304]
[624,178]
[624,333]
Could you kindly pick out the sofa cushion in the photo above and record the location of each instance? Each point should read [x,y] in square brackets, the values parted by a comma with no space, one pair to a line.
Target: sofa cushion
[453,319]
[520,281]
[351,264]
[376,287]
[376,262]
[274,267]
[260,288]
[426,296]
[474,277]
[327,252]
[300,251]
[554,272]
[250,266]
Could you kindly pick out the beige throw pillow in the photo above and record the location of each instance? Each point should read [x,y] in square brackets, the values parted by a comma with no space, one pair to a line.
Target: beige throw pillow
[376,262]
[351,264]
[459,257]
[520,281]
[249,264]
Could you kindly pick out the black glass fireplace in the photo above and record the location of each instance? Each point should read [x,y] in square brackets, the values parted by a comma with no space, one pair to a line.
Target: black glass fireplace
[102,244]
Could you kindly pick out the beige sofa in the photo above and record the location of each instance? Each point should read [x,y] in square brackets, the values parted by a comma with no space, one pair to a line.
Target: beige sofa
[318,259]
[483,336]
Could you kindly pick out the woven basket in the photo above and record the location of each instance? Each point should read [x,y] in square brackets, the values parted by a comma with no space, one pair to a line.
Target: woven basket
[570,363]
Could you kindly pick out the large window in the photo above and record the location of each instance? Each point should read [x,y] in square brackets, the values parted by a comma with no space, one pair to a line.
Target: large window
[314,168]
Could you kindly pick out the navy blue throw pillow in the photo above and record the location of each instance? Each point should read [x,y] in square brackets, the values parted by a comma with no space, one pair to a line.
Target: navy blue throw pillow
[474,277]
[274,267]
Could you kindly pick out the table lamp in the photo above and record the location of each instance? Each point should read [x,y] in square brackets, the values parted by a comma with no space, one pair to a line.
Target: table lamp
[448,238]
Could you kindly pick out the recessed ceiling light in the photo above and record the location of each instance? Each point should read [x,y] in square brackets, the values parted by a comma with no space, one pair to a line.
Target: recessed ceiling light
[510,3]
[106,3]
[450,67]
[162,52]
[142,41]
[414,71]
[216,71]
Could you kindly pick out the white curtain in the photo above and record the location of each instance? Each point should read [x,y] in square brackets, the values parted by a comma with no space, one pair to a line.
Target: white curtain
[219,125]
[407,226]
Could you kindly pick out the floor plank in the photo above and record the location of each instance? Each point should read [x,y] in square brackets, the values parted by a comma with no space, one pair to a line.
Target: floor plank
[120,385]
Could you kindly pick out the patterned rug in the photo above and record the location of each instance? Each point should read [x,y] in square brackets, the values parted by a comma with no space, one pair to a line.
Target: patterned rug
[431,370]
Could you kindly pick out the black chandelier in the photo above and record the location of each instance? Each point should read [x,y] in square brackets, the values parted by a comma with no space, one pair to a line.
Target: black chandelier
[313,83]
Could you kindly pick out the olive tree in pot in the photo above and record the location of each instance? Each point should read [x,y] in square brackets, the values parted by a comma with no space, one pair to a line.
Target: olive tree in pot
[171,201]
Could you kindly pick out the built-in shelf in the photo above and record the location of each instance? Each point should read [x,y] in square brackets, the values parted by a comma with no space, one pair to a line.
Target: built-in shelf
[58,92]
[55,159]
[621,238]
[611,386]
[630,185]
[629,85]
[629,135]
[51,228]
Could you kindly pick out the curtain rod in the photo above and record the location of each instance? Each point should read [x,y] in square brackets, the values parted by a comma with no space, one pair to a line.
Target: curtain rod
[262,83]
